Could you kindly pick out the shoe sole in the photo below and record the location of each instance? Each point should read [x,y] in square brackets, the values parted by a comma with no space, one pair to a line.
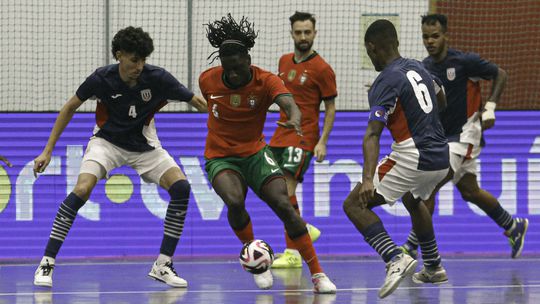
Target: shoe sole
[422,282]
[42,284]
[324,292]
[518,254]
[408,271]
[150,275]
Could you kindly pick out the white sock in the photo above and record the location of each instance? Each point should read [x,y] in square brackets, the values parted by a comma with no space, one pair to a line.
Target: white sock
[162,259]
[45,260]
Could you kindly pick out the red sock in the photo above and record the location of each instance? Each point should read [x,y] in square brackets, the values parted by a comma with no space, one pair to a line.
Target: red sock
[245,234]
[294,203]
[304,245]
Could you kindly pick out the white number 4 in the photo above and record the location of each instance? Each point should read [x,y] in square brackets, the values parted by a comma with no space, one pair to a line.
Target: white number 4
[132,112]
[421,91]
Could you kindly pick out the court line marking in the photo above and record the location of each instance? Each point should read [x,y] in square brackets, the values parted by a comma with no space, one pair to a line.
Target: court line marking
[39,292]
[226,261]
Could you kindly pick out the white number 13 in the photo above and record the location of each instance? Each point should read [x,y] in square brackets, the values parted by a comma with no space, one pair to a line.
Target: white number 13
[421,91]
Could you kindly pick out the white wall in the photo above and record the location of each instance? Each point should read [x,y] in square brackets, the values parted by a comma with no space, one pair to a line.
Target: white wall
[49,47]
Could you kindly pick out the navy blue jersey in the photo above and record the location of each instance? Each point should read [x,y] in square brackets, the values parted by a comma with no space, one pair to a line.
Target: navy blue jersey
[123,112]
[460,73]
[403,97]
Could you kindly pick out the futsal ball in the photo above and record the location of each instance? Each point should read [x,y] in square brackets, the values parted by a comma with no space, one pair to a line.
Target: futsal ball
[256,256]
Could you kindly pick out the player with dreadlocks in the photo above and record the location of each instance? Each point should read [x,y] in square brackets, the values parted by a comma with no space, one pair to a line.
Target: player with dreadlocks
[239,95]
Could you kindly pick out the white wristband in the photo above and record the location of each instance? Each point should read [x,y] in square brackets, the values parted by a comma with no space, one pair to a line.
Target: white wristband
[490,106]
[489,113]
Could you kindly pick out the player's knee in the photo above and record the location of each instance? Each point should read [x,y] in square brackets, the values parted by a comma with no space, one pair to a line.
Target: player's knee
[180,189]
[235,205]
[348,206]
[83,191]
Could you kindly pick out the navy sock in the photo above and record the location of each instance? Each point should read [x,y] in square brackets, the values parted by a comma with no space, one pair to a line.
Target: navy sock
[65,216]
[501,217]
[377,237]
[430,251]
[175,217]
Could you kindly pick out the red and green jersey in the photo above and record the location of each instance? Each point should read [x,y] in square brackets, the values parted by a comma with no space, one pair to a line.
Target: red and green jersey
[236,116]
[310,82]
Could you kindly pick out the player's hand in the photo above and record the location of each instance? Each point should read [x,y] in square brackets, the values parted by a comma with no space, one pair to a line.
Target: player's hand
[320,152]
[366,193]
[6,161]
[41,162]
[199,103]
[488,124]
[291,124]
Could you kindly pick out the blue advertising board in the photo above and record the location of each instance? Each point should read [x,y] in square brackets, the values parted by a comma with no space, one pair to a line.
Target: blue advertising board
[124,216]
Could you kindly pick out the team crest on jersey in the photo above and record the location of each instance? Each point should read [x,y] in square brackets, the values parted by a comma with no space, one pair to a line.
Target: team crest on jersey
[451,73]
[291,75]
[303,77]
[235,100]
[146,95]
[252,101]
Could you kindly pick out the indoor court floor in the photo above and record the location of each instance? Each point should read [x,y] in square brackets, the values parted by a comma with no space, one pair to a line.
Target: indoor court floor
[472,280]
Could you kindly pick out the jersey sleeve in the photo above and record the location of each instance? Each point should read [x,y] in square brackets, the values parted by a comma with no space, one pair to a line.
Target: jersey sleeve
[89,87]
[275,87]
[438,84]
[174,90]
[327,83]
[382,98]
[479,67]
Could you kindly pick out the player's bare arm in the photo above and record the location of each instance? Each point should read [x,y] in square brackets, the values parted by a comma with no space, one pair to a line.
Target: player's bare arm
[64,117]
[287,104]
[199,103]
[488,115]
[5,161]
[370,147]
[329,116]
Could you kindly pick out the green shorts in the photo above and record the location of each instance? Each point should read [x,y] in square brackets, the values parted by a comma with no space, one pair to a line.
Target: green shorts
[256,169]
[294,160]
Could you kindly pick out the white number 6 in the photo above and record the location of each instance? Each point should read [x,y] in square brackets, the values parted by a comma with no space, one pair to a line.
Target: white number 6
[421,91]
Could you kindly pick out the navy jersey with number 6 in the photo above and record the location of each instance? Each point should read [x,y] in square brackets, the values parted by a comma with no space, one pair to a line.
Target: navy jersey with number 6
[124,115]
[403,97]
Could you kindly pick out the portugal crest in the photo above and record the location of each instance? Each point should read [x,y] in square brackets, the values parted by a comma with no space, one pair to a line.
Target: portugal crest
[146,95]
[291,75]
[235,100]
[451,73]
[303,77]
[253,101]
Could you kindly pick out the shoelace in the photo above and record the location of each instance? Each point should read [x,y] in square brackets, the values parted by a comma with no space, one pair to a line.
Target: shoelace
[46,269]
[171,268]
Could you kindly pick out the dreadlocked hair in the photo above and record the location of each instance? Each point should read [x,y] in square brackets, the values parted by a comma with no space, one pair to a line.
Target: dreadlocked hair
[230,37]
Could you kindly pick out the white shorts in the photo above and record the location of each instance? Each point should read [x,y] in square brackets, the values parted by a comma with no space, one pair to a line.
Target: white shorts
[463,159]
[461,165]
[397,174]
[150,165]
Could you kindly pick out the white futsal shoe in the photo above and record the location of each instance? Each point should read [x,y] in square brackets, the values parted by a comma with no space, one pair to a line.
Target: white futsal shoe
[322,284]
[164,272]
[397,269]
[44,272]
[264,280]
